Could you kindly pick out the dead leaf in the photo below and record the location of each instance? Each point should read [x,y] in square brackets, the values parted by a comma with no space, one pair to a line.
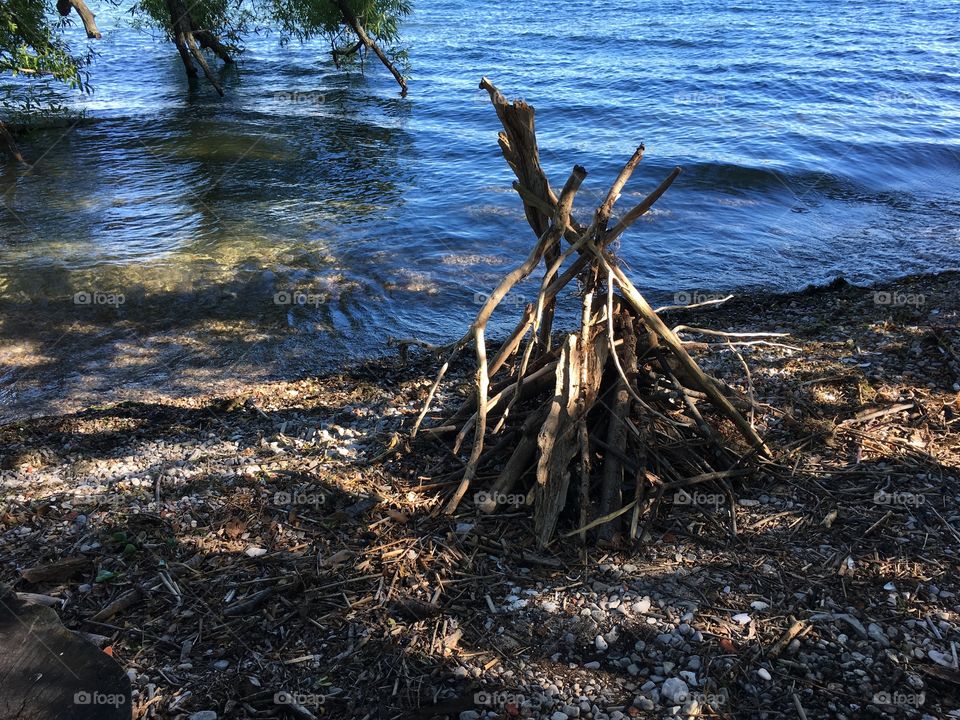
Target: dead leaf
[337,558]
[398,516]
[234,528]
[828,520]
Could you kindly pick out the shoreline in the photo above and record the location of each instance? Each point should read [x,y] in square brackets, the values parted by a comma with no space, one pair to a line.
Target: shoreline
[301,533]
[189,367]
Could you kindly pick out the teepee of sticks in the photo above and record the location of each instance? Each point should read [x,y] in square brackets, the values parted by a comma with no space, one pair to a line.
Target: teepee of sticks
[604,419]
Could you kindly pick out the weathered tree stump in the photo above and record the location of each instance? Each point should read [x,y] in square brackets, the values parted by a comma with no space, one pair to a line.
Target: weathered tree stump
[613,403]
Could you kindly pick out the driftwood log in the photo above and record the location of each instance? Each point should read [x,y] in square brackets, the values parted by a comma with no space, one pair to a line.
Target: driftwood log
[603,419]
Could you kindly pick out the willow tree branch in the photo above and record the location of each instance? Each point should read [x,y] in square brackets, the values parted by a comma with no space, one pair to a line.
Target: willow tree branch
[337,53]
[357,28]
[211,42]
[86,16]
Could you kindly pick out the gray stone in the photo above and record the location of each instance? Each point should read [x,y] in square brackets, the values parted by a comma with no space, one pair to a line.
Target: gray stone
[876,633]
[674,690]
[690,677]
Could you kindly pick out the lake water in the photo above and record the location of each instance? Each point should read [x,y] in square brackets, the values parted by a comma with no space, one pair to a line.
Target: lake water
[816,139]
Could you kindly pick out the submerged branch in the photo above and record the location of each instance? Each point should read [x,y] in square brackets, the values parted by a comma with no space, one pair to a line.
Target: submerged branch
[338,53]
[209,41]
[357,28]
[7,139]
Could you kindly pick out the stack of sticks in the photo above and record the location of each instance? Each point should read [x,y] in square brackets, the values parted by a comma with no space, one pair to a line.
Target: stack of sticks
[603,420]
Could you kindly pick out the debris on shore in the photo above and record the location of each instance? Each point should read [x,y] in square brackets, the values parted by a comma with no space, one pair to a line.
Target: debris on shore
[283,553]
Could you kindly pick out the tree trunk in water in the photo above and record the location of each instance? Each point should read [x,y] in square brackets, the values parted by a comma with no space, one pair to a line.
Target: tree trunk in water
[189,40]
[7,139]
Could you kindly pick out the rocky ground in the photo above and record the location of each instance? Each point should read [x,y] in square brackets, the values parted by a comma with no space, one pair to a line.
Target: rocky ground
[279,554]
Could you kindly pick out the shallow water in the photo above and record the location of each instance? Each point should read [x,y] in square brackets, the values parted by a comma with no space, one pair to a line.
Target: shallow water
[816,139]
